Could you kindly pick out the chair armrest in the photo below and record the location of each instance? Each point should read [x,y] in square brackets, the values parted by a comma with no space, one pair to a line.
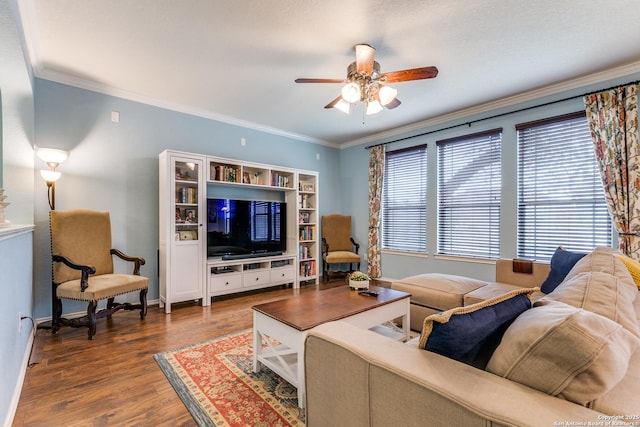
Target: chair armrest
[85,269]
[325,246]
[357,245]
[138,261]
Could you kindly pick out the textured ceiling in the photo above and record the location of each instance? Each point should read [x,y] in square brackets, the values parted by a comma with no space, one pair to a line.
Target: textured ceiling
[236,61]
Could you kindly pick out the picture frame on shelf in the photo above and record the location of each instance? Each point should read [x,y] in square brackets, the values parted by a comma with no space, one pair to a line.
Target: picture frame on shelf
[190,215]
[306,186]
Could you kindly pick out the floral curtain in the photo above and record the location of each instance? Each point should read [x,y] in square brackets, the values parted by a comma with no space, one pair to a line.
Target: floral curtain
[376,174]
[613,120]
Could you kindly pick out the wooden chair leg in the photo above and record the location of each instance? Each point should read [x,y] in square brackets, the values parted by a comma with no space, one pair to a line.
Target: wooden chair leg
[143,303]
[56,313]
[91,318]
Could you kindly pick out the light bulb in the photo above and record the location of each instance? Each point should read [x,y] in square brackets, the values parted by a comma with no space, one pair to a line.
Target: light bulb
[351,92]
[387,94]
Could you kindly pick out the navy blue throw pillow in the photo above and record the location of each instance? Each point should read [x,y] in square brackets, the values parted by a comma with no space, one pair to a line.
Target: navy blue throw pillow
[471,334]
[561,263]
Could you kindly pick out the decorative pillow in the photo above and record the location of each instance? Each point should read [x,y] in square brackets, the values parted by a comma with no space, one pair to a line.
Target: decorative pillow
[564,351]
[470,334]
[600,293]
[561,263]
[633,266]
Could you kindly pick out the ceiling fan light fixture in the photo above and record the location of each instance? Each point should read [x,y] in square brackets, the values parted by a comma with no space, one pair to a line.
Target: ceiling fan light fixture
[387,94]
[373,107]
[343,106]
[351,92]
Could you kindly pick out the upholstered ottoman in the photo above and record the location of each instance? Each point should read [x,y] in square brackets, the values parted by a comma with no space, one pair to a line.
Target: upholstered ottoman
[435,292]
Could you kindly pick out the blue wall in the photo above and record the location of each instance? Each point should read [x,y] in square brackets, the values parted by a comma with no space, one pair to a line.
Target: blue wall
[114,167]
[16,137]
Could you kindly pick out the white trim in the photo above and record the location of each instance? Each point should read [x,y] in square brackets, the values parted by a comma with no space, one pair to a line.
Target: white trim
[17,391]
[622,71]
[181,108]
[14,231]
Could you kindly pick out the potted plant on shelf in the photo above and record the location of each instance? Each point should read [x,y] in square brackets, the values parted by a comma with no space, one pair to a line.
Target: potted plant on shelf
[359,280]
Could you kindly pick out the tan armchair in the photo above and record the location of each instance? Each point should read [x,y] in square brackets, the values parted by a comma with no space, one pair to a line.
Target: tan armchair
[338,247]
[83,268]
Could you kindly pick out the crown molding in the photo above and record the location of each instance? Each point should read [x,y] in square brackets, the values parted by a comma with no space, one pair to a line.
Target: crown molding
[143,99]
[577,83]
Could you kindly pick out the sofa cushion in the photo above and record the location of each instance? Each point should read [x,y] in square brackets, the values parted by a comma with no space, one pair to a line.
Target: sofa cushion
[602,259]
[493,290]
[436,290]
[564,351]
[470,334]
[600,293]
[561,263]
[633,267]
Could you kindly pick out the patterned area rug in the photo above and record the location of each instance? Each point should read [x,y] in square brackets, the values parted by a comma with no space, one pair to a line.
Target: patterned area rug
[215,382]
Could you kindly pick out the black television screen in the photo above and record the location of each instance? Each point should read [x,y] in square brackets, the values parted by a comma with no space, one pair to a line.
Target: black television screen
[245,227]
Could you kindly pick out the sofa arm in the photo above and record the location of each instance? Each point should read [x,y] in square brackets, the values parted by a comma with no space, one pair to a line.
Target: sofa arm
[505,274]
[359,378]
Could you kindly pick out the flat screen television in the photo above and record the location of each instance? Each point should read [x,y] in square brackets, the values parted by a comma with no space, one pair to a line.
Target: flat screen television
[246,227]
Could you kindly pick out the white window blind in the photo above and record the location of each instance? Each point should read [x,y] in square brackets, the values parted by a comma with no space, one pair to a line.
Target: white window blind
[469,192]
[404,200]
[560,196]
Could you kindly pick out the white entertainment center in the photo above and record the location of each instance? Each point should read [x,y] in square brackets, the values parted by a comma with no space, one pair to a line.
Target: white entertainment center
[186,181]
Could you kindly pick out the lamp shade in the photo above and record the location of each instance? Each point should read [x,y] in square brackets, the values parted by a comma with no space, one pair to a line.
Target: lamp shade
[49,176]
[373,107]
[52,155]
[387,94]
[343,106]
[351,92]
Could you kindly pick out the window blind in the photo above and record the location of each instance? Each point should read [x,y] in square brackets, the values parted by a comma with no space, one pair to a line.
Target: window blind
[560,196]
[404,200]
[469,195]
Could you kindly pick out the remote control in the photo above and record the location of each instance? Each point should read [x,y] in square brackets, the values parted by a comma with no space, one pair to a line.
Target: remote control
[368,293]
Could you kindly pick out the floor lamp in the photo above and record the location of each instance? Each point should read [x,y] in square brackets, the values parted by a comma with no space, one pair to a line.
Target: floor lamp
[52,157]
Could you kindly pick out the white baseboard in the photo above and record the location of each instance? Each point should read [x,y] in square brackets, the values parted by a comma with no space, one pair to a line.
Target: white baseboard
[18,388]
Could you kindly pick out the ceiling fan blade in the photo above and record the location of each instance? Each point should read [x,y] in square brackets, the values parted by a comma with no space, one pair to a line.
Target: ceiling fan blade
[364,58]
[304,80]
[334,102]
[411,74]
[393,104]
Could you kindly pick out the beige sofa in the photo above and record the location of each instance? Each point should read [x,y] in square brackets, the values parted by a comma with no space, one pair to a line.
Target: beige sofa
[356,377]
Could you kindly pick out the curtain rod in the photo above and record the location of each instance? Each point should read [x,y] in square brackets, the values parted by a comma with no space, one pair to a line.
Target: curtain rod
[469,123]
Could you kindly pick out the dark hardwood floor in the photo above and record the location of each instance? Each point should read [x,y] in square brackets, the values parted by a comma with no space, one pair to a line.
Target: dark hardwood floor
[113,380]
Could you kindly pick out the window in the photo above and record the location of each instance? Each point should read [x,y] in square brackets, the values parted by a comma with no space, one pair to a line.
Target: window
[404,200]
[560,197]
[469,189]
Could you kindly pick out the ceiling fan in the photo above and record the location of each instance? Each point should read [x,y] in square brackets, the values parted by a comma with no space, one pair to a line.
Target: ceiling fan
[365,83]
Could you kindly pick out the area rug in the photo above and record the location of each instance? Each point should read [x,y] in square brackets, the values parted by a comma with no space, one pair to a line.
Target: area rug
[215,381]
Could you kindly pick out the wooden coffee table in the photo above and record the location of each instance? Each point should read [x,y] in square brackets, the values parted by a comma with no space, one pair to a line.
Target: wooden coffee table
[288,322]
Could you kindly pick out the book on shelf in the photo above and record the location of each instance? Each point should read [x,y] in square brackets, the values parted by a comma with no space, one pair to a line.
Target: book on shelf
[304,252]
[187,195]
[278,180]
[305,201]
[226,173]
[307,232]
[308,268]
